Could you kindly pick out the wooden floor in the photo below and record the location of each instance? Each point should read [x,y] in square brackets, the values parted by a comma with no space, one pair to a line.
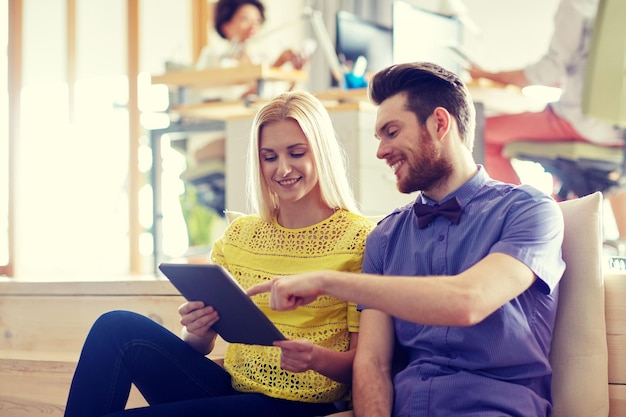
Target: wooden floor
[43,326]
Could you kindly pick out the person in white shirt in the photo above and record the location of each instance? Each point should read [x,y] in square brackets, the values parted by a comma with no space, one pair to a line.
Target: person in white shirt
[563,66]
[235,23]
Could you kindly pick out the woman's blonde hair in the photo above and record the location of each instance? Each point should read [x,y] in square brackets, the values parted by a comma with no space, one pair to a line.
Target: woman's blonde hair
[329,156]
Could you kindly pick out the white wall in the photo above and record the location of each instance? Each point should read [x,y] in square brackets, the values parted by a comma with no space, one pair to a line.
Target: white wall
[512,33]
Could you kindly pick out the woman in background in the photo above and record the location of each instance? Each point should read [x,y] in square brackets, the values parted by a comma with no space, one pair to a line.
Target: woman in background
[307,219]
[236,21]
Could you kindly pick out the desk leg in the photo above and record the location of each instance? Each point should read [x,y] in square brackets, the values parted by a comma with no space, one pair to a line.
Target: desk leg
[260,88]
[157,211]
[180,130]
[237,137]
[479,137]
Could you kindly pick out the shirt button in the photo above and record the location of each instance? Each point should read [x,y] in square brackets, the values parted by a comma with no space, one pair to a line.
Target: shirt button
[441,238]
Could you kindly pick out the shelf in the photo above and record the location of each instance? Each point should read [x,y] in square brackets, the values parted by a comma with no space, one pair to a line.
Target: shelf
[219,77]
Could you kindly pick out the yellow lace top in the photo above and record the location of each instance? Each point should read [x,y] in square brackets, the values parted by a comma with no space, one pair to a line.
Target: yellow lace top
[255,251]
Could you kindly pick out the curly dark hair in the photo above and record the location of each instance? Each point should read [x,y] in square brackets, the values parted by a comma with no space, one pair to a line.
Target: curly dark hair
[226,9]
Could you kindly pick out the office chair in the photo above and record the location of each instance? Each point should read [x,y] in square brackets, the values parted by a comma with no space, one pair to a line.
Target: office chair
[584,168]
[581,168]
[208,178]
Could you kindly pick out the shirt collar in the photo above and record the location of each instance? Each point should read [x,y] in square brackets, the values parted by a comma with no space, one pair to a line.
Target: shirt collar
[465,193]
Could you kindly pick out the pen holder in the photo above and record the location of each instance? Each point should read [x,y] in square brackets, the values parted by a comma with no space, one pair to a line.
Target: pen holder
[352,81]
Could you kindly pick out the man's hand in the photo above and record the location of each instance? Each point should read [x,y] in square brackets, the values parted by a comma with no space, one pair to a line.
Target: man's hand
[288,293]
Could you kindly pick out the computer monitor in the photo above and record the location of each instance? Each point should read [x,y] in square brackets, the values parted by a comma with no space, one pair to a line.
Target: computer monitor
[357,36]
[422,35]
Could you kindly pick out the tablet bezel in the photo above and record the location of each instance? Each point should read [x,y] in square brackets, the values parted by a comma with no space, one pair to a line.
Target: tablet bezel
[241,320]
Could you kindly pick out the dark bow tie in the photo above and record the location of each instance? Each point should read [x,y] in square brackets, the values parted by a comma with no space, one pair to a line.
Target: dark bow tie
[451,209]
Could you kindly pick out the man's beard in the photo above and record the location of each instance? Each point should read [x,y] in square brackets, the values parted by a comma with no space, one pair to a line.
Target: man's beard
[427,169]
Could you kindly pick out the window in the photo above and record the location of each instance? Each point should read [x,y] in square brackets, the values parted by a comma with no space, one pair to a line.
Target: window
[72,217]
[4,135]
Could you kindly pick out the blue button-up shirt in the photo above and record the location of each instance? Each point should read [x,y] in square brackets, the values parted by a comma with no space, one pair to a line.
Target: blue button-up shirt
[499,366]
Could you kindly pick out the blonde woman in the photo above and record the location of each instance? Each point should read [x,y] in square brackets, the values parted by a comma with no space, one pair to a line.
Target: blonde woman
[307,219]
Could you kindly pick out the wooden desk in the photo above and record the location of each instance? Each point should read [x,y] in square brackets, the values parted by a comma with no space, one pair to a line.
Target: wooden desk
[183,80]
[220,77]
[495,98]
[342,96]
[504,99]
[217,110]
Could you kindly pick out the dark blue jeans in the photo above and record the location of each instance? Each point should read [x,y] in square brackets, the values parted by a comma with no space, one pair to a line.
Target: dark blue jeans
[124,348]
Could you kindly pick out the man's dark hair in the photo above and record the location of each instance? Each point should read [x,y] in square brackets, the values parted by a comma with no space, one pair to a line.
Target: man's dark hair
[226,9]
[427,86]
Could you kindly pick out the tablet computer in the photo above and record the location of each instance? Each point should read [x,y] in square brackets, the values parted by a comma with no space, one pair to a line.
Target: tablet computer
[241,321]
